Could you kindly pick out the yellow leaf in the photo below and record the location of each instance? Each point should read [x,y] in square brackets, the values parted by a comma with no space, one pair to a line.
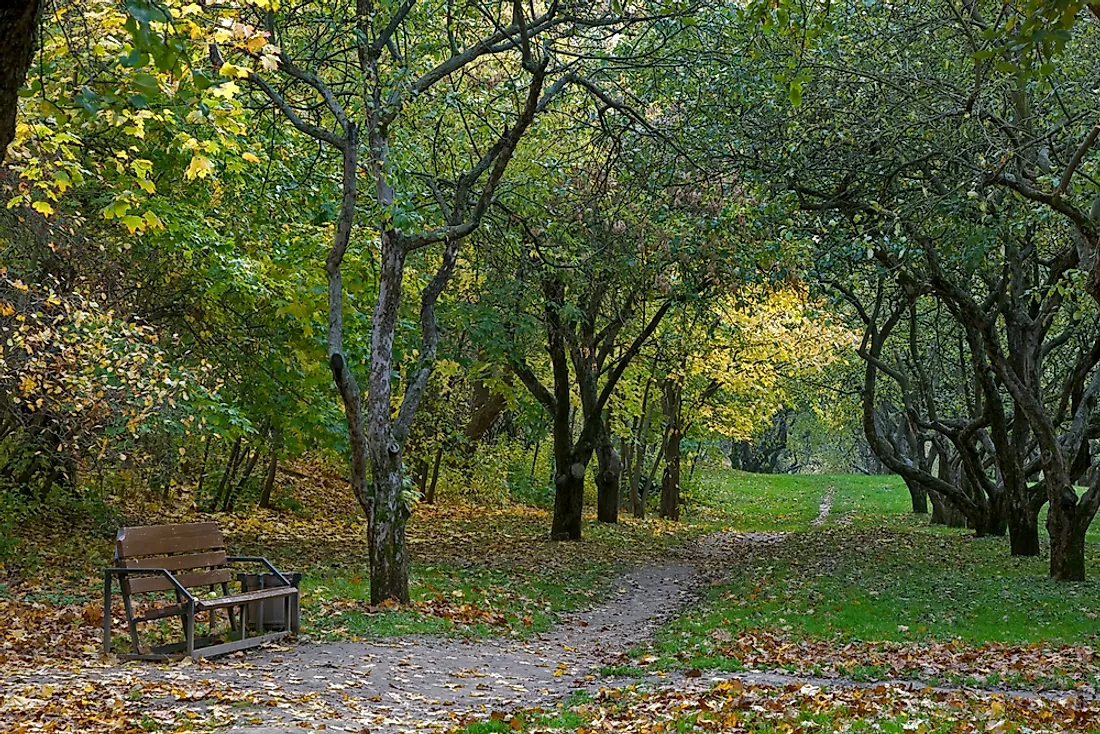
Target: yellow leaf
[133,223]
[232,70]
[226,90]
[42,207]
[250,157]
[200,167]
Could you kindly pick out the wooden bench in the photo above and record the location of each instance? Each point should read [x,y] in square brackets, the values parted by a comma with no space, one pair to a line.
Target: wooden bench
[154,559]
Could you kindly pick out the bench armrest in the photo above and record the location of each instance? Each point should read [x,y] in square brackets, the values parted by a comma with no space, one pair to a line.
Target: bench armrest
[263,561]
[109,572]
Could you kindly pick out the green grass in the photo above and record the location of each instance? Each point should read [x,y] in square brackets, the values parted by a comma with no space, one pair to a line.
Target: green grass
[791,502]
[448,599]
[873,573]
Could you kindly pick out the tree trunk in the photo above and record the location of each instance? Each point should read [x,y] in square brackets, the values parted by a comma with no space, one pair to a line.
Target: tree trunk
[945,513]
[485,407]
[429,493]
[535,459]
[1067,522]
[269,481]
[1023,530]
[202,471]
[235,489]
[568,500]
[919,497]
[626,450]
[608,473]
[670,481]
[389,558]
[18,26]
[1067,542]
[387,514]
[227,475]
[695,460]
[637,501]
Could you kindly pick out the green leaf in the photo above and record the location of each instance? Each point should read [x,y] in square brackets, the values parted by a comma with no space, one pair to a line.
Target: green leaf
[146,84]
[795,93]
[145,11]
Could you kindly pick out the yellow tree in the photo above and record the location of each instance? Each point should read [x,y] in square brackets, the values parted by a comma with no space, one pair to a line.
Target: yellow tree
[733,366]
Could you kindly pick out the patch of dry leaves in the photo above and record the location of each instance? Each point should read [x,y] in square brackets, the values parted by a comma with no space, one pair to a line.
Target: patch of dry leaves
[771,649]
[732,706]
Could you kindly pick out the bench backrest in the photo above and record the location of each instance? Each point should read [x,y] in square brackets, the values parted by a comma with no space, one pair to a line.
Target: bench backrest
[193,552]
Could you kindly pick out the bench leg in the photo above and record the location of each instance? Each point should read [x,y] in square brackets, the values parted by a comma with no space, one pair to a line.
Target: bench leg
[189,629]
[229,611]
[106,613]
[130,620]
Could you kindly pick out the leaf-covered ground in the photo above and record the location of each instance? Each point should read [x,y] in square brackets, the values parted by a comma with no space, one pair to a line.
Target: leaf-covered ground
[477,572]
[799,708]
[828,608]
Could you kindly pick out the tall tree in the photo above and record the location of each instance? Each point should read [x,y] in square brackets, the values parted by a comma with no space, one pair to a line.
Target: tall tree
[478,76]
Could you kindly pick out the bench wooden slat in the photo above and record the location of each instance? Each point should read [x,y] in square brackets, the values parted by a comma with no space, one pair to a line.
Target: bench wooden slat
[247,597]
[151,540]
[184,562]
[142,584]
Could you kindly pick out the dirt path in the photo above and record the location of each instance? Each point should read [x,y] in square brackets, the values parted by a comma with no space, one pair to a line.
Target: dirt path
[824,510]
[433,683]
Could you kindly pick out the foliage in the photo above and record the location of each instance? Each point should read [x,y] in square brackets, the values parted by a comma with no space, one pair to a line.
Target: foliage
[755,354]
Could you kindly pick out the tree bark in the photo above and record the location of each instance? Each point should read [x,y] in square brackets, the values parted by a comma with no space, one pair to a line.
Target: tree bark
[227,475]
[637,501]
[670,481]
[626,450]
[568,499]
[18,26]
[1067,541]
[608,475]
[272,470]
[1023,530]
[918,496]
[429,493]
[202,471]
[235,489]
[388,557]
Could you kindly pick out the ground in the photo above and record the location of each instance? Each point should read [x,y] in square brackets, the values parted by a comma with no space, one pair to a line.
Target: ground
[781,604]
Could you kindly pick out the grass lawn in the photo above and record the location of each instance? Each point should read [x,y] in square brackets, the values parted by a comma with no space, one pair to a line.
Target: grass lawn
[875,591]
[791,502]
